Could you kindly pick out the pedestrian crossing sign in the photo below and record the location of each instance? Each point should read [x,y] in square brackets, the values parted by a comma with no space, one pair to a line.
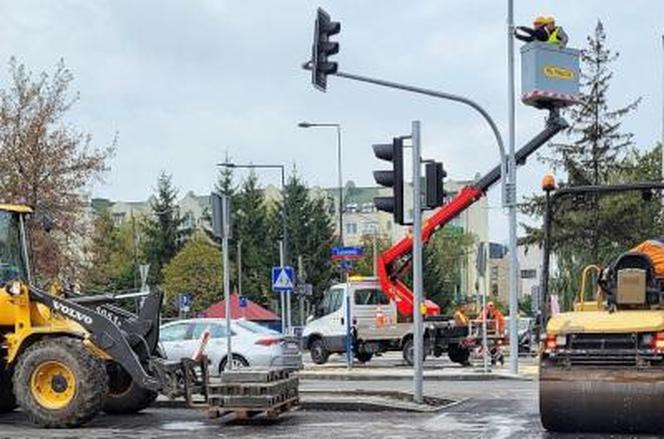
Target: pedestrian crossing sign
[283,279]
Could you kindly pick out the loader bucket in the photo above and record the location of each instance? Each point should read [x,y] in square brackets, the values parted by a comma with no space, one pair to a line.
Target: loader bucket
[607,399]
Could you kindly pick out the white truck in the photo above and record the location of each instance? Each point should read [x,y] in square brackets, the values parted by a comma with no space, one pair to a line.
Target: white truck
[376,326]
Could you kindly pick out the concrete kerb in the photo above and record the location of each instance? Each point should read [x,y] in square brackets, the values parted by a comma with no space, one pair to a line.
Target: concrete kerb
[355,376]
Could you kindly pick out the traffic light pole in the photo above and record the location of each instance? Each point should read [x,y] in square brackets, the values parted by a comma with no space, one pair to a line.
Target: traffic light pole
[440,95]
[418,336]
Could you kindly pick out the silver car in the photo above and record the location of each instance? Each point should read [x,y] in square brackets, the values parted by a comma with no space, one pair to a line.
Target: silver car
[252,344]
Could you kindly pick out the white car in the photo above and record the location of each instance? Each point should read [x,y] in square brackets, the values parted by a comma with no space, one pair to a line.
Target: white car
[252,344]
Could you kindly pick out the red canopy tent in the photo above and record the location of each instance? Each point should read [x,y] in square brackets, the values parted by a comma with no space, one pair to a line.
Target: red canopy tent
[252,311]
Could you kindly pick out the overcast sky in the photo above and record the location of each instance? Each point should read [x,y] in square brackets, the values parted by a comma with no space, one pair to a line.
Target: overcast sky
[184,81]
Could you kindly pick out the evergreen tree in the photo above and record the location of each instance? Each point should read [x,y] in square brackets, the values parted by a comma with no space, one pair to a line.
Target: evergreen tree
[444,257]
[251,226]
[598,143]
[164,230]
[310,231]
[593,230]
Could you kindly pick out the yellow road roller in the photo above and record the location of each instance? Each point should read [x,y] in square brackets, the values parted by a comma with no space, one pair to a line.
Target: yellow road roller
[602,364]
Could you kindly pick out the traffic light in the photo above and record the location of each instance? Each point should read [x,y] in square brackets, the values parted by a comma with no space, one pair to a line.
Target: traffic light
[323,48]
[394,178]
[435,193]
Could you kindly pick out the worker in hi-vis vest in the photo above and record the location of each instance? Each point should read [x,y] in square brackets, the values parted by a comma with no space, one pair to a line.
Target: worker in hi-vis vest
[544,29]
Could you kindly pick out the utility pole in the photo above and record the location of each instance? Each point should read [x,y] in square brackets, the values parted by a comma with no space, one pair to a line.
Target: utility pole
[239,267]
[282,295]
[662,139]
[225,211]
[511,196]
[301,281]
[375,250]
[418,339]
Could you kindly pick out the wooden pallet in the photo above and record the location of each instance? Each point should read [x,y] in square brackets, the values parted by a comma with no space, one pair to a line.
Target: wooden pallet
[250,392]
[241,413]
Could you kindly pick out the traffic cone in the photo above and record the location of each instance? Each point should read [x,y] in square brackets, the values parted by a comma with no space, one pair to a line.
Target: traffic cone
[380,317]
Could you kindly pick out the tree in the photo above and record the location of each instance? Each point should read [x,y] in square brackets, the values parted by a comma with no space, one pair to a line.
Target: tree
[251,226]
[598,143]
[196,269]
[111,256]
[444,258]
[164,231]
[365,265]
[310,232]
[593,230]
[47,163]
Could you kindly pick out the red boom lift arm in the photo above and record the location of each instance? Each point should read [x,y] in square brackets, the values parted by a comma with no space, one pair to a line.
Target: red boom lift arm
[391,262]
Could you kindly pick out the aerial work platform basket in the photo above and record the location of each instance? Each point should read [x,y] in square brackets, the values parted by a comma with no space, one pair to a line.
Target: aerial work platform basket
[549,75]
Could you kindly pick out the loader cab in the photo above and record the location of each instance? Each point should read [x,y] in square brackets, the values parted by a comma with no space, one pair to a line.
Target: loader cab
[14,263]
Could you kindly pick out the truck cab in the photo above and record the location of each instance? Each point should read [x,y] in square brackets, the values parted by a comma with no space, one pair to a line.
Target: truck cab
[373,319]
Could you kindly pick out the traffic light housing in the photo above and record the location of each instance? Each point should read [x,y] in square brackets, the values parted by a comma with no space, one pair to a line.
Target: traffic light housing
[435,191]
[394,178]
[323,48]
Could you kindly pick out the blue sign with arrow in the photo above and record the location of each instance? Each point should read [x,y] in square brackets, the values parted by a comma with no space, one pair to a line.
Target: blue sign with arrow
[283,279]
[243,301]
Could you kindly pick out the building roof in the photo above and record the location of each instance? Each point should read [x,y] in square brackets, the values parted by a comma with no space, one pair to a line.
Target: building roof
[252,311]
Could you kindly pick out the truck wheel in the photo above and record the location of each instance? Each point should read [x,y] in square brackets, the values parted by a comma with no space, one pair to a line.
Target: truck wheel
[7,398]
[458,354]
[319,353]
[408,352]
[124,395]
[364,357]
[59,383]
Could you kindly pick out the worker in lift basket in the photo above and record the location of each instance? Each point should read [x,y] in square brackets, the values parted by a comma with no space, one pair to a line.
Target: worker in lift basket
[493,313]
[545,30]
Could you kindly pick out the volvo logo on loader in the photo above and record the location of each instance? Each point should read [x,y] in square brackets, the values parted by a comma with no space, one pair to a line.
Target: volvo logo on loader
[73,313]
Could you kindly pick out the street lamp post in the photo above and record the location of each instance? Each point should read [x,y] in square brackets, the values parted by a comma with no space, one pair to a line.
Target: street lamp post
[285,304]
[339,174]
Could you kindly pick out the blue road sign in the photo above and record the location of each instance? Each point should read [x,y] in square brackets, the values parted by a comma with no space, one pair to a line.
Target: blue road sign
[184,301]
[283,279]
[353,252]
[243,301]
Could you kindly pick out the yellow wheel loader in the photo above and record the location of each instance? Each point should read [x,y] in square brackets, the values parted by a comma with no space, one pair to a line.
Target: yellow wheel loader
[602,364]
[64,356]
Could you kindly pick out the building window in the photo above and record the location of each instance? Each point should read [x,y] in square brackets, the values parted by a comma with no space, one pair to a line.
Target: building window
[528,274]
[351,228]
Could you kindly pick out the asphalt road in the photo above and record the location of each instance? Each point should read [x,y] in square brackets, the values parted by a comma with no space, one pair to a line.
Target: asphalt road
[490,409]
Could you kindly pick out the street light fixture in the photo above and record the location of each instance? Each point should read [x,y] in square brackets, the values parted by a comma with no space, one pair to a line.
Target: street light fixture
[340,177]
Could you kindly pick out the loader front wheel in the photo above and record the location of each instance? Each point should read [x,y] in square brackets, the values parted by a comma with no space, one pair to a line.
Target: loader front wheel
[59,383]
[124,395]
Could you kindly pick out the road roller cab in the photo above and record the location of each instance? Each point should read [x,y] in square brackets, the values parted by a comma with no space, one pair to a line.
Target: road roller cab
[602,363]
